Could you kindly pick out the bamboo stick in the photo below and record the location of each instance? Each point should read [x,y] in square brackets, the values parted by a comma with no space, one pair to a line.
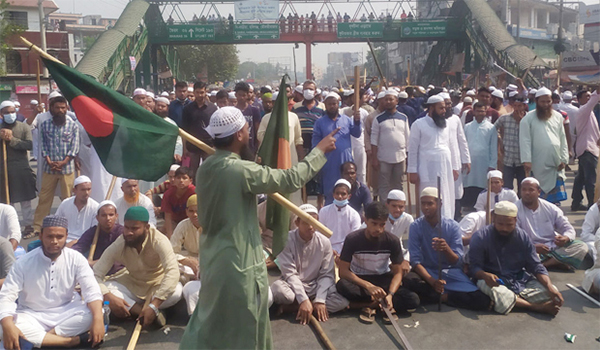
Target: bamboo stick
[321,333]
[488,219]
[5,162]
[138,325]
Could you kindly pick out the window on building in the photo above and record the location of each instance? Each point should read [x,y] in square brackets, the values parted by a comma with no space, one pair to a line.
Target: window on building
[18,18]
[541,19]
[13,62]
[93,21]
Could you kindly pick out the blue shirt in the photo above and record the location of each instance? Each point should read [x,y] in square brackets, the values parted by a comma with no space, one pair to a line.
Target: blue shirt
[408,111]
[420,237]
[361,196]
[512,258]
[176,110]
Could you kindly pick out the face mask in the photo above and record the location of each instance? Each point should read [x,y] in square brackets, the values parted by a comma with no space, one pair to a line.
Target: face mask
[309,94]
[17,109]
[10,118]
[340,203]
[393,218]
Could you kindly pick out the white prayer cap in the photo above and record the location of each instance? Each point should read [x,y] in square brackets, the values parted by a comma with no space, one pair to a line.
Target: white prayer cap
[429,87]
[444,90]
[34,102]
[106,202]
[275,94]
[54,94]
[325,93]
[506,208]
[513,93]
[348,92]
[81,180]
[511,87]
[213,93]
[421,89]
[471,93]
[250,87]
[396,195]
[468,100]
[567,95]
[342,182]
[444,95]
[492,88]
[150,94]
[543,92]
[533,180]
[124,180]
[174,167]
[225,122]
[533,91]
[429,192]
[6,103]
[403,95]
[332,95]
[231,94]
[139,91]
[498,93]
[299,89]
[335,89]
[396,88]
[451,91]
[494,173]
[319,91]
[391,92]
[434,99]
[190,89]
[268,87]
[163,100]
[17,104]
[164,94]
[381,94]
[309,209]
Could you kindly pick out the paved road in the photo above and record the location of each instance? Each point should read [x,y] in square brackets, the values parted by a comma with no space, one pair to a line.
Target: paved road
[451,328]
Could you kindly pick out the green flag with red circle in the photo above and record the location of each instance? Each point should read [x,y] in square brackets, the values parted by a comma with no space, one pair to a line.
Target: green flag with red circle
[131,141]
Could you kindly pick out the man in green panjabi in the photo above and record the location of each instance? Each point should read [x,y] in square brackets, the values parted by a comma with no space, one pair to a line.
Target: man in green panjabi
[232,311]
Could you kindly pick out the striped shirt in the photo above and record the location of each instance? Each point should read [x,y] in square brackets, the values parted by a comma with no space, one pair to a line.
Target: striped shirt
[371,256]
[58,142]
[307,122]
[510,140]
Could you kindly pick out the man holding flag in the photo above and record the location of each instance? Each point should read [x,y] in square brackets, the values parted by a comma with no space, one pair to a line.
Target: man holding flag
[234,278]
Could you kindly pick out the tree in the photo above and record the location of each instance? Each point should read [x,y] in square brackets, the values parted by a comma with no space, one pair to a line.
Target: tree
[219,62]
[7,29]
[381,55]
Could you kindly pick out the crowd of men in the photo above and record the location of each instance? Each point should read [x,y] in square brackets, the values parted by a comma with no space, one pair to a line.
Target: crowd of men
[156,241]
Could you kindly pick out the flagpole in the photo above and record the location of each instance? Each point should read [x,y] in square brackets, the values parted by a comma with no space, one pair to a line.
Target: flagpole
[209,150]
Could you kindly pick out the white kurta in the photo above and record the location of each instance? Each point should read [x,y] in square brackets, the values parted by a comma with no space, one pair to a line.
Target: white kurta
[459,146]
[544,145]
[341,221]
[358,144]
[505,194]
[9,223]
[472,223]
[589,229]
[545,223]
[79,220]
[143,201]
[400,229]
[46,289]
[430,156]
[483,148]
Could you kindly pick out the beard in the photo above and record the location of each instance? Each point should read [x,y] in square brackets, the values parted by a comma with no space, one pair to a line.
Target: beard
[448,113]
[246,153]
[438,119]
[543,113]
[136,241]
[131,199]
[59,119]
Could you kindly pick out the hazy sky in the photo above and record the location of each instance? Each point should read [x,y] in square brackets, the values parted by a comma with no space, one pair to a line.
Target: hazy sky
[113,8]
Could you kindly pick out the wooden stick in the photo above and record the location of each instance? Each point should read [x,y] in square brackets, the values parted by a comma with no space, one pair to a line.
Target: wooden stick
[528,68]
[403,340]
[95,241]
[39,51]
[409,196]
[488,218]
[356,88]
[377,64]
[583,294]
[439,202]
[276,196]
[138,325]
[39,83]
[5,172]
[321,333]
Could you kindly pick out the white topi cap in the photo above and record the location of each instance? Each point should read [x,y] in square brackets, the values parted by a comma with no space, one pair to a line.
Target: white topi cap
[396,195]
[225,122]
[81,180]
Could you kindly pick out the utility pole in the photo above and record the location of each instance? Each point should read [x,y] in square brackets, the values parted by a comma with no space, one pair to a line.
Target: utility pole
[518,21]
[560,45]
[43,31]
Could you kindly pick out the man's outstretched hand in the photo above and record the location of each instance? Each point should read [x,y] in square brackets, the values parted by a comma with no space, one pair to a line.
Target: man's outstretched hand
[327,144]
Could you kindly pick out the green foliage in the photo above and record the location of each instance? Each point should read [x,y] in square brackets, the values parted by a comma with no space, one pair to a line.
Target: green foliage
[218,62]
[7,30]
[263,73]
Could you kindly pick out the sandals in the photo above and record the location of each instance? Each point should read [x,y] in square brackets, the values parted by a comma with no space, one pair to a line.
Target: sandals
[29,235]
[367,315]
[386,320]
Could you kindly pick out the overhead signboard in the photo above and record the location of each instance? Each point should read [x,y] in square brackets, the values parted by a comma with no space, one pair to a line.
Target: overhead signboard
[187,32]
[251,10]
[255,31]
[579,60]
[423,29]
[347,30]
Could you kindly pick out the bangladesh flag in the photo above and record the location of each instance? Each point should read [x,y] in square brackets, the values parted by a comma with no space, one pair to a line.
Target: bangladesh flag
[131,141]
[275,152]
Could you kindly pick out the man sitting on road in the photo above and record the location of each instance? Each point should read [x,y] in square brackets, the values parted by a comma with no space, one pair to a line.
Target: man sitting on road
[80,210]
[398,222]
[498,193]
[9,224]
[365,270]
[47,313]
[549,229]
[132,198]
[307,273]
[503,258]
[153,272]
[428,240]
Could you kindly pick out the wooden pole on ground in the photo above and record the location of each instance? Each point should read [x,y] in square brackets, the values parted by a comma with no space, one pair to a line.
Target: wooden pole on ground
[488,218]
[138,325]
[5,164]
[377,64]
[276,196]
[95,241]
[439,202]
[583,294]
[321,333]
